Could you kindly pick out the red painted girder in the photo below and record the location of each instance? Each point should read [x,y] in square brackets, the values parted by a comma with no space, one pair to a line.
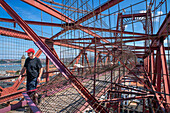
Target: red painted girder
[123,99]
[15,33]
[80,42]
[97,11]
[98,95]
[78,55]
[126,37]
[87,60]
[156,94]
[11,96]
[110,30]
[152,66]
[130,70]
[5,78]
[22,35]
[165,73]
[31,104]
[58,34]
[158,71]
[73,46]
[138,90]
[32,22]
[134,15]
[127,41]
[38,53]
[46,8]
[163,29]
[126,92]
[48,52]
[164,26]
[140,47]
[101,93]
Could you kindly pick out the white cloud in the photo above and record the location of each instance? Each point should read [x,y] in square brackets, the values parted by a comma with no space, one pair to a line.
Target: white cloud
[166,41]
[142,11]
[126,26]
[159,13]
[156,19]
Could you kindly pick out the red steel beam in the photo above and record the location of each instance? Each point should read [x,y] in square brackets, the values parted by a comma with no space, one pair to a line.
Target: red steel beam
[46,8]
[58,34]
[48,52]
[38,53]
[110,30]
[130,98]
[156,94]
[32,105]
[32,22]
[158,70]
[141,81]
[87,60]
[11,96]
[138,90]
[22,35]
[164,26]
[90,28]
[126,37]
[15,33]
[165,73]
[127,41]
[128,92]
[164,29]
[97,11]
[134,15]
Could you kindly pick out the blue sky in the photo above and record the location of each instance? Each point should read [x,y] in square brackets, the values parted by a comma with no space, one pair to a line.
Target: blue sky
[28,12]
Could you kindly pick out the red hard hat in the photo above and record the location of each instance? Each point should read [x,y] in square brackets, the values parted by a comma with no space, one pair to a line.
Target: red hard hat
[30,50]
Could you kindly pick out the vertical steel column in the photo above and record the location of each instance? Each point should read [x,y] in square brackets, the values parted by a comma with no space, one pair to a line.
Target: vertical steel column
[95,63]
[152,65]
[119,88]
[83,61]
[165,73]
[47,69]
[158,70]
[145,63]
[87,61]
[77,61]
[143,105]
[148,62]
[111,80]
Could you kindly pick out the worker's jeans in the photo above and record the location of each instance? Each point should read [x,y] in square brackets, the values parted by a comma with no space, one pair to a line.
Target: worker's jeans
[32,84]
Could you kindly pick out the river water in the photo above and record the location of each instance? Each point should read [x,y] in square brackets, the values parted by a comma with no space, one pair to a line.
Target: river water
[5,67]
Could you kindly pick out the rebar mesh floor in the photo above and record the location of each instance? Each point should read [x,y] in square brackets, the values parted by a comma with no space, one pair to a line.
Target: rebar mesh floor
[65,98]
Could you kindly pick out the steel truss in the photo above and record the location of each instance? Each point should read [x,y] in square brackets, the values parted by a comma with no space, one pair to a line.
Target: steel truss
[115,60]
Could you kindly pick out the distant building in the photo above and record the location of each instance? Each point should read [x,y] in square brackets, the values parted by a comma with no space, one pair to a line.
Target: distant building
[22,61]
[10,72]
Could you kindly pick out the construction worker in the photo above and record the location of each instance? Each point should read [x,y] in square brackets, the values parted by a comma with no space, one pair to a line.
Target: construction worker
[33,69]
